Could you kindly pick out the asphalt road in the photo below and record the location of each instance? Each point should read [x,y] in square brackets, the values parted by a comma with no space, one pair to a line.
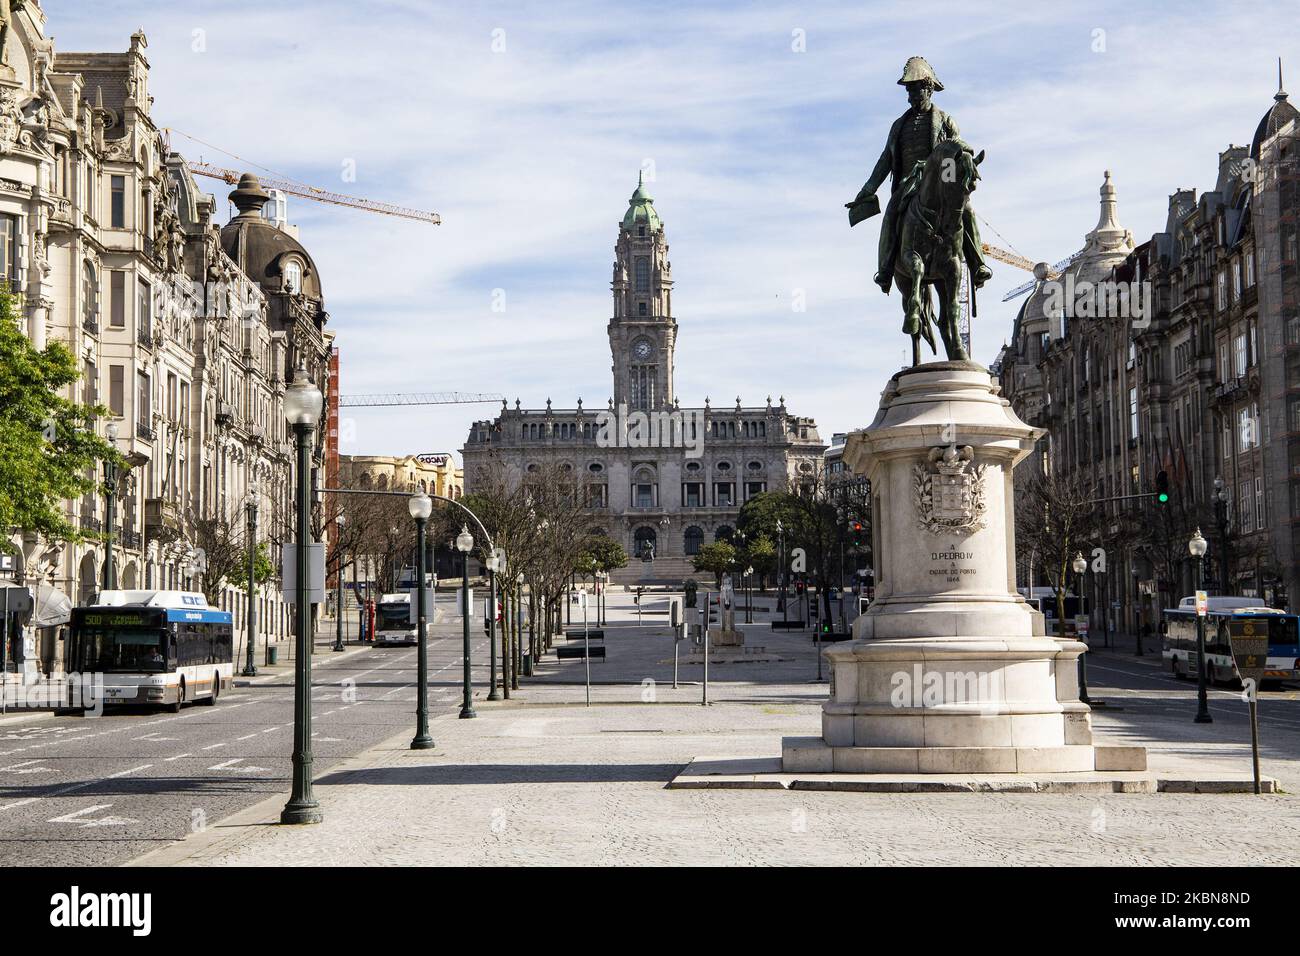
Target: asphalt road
[101,791]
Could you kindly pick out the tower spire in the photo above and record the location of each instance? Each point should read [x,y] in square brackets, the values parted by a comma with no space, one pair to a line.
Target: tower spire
[1281,91]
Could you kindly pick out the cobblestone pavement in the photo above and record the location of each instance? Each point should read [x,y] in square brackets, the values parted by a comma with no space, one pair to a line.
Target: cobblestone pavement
[543,779]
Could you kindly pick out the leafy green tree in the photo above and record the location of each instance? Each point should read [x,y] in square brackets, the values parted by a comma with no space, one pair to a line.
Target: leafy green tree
[716,559]
[49,452]
[759,554]
[600,553]
[263,568]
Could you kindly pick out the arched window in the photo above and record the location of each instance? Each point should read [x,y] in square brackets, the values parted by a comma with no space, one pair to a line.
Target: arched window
[293,276]
[642,274]
[694,539]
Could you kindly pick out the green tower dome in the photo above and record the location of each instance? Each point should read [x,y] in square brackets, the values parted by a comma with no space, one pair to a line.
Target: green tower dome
[640,208]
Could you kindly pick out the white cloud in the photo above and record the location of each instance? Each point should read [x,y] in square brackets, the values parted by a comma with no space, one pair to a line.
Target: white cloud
[529,155]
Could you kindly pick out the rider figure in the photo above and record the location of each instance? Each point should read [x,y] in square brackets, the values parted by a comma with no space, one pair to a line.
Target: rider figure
[911,140]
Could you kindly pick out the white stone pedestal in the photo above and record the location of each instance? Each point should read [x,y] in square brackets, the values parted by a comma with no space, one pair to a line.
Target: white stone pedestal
[948,672]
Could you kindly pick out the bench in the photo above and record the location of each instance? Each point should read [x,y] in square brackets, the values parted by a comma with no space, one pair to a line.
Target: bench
[578,635]
[788,625]
[563,651]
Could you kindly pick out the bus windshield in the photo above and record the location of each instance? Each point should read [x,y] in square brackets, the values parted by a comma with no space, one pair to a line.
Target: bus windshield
[392,615]
[123,649]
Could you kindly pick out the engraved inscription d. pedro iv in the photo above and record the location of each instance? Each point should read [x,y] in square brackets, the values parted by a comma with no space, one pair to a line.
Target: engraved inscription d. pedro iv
[950,493]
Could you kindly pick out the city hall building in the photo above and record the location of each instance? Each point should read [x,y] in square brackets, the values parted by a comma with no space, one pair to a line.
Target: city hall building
[661,478]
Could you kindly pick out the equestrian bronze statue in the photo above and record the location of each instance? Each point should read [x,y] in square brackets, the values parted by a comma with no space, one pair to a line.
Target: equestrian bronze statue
[929,228]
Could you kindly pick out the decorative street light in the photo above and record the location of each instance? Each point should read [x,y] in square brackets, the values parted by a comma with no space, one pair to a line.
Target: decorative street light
[1137,606]
[110,510]
[525,650]
[338,585]
[1221,520]
[749,594]
[302,408]
[250,619]
[1080,565]
[421,506]
[465,544]
[780,593]
[493,565]
[1197,547]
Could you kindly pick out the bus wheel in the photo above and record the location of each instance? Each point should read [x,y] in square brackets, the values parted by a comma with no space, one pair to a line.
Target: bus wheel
[180,698]
[216,689]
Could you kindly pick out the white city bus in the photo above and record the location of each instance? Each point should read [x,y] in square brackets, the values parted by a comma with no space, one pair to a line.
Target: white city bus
[153,647]
[393,625]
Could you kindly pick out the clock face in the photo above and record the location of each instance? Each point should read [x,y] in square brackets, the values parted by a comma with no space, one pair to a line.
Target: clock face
[642,350]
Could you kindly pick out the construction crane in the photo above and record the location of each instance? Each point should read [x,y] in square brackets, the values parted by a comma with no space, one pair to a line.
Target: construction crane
[312,192]
[294,188]
[419,398]
[1041,271]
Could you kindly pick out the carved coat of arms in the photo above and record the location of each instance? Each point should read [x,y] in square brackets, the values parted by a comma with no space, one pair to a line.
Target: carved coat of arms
[949,492]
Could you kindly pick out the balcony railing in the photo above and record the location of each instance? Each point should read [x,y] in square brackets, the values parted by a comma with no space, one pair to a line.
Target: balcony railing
[144,338]
[143,431]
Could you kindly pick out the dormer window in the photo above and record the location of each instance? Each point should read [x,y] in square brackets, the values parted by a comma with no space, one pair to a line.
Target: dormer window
[640,231]
[293,276]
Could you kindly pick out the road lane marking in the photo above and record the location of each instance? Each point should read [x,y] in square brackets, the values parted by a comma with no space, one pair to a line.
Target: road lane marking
[77,815]
[123,773]
[230,765]
[213,746]
[177,757]
[20,803]
[245,737]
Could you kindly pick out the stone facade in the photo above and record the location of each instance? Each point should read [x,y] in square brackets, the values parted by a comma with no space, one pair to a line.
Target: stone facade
[186,338]
[1197,389]
[665,501]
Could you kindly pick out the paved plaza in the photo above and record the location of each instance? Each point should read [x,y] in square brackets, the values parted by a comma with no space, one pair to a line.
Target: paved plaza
[545,779]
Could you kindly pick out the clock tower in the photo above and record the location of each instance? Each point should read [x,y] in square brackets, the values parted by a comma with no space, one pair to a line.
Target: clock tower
[642,333]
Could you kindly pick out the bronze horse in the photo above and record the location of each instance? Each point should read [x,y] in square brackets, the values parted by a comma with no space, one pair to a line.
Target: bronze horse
[930,246]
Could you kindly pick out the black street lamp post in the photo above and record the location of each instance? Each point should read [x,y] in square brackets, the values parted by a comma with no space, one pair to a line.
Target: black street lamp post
[250,512]
[493,562]
[302,408]
[1197,547]
[1080,564]
[421,506]
[1221,520]
[465,544]
[110,511]
[338,581]
[780,593]
[1137,607]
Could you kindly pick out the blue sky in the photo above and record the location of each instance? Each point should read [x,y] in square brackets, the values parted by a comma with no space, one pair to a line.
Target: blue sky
[525,125]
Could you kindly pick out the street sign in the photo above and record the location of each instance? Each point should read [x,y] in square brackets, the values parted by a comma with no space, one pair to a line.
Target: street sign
[16,600]
[315,572]
[1250,650]
[1202,603]
[1081,627]
[1250,654]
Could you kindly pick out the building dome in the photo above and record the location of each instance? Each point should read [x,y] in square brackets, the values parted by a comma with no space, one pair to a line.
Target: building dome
[1278,115]
[640,209]
[266,253]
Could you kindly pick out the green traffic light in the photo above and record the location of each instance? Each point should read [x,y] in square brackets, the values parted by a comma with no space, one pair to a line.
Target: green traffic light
[1162,498]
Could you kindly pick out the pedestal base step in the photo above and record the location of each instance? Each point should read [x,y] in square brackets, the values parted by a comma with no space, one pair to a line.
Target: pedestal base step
[814,755]
[767,773]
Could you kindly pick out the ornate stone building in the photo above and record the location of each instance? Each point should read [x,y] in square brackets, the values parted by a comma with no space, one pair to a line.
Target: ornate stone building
[681,483]
[186,332]
[1198,389]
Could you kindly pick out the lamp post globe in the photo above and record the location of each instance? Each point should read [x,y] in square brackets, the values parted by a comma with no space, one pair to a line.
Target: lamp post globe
[1197,547]
[465,544]
[420,507]
[302,409]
